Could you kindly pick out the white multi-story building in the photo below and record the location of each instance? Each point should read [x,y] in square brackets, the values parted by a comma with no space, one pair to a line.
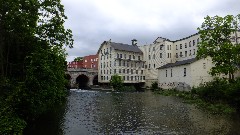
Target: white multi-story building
[184,71]
[122,59]
[172,64]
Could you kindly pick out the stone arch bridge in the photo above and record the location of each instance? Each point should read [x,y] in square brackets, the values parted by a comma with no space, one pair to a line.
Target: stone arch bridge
[82,78]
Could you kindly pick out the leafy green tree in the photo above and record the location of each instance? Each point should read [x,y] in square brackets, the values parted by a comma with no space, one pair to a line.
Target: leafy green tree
[215,33]
[78,59]
[116,82]
[32,60]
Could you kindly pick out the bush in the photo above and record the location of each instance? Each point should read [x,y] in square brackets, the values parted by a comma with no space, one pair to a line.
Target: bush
[214,90]
[154,86]
[116,82]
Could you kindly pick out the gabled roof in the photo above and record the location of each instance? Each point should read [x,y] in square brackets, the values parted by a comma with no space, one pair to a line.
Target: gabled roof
[178,63]
[125,47]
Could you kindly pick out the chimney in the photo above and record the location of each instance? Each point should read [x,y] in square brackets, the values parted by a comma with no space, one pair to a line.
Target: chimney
[134,42]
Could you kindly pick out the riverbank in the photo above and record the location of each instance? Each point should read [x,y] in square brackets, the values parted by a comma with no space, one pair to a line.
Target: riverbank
[215,107]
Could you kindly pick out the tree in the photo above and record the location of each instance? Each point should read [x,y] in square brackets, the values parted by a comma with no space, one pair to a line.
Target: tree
[116,82]
[32,60]
[216,35]
[78,59]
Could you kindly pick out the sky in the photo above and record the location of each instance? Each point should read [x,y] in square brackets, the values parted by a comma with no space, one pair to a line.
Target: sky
[95,21]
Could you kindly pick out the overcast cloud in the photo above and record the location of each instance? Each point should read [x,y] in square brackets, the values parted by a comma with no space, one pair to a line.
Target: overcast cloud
[95,21]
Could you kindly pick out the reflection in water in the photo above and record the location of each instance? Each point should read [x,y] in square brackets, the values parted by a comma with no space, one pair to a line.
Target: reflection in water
[94,112]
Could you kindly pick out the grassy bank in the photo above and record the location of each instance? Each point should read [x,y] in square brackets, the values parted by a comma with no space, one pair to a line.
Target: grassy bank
[218,96]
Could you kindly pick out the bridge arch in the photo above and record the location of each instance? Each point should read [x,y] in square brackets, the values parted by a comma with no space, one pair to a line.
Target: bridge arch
[95,80]
[82,81]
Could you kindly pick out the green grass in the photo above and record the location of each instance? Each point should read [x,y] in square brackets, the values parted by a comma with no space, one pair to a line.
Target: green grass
[215,107]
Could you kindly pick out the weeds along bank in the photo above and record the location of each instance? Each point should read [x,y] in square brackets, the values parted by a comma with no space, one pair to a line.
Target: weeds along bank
[217,96]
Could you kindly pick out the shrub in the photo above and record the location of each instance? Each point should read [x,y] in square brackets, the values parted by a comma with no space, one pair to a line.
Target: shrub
[154,86]
[116,82]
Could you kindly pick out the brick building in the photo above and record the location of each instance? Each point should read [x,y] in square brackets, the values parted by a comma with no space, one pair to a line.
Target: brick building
[90,61]
[75,64]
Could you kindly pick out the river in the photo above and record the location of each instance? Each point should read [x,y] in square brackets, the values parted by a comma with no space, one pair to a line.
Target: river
[141,113]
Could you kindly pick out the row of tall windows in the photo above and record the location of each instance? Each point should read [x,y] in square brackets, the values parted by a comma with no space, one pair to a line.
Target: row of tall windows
[129,56]
[125,78]
[186,54]
[124,71]
[190,44]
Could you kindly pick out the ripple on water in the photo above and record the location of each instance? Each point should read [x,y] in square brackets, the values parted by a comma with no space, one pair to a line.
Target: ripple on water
[94,112]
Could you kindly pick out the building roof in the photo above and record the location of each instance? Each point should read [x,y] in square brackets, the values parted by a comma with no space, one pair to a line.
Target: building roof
[125,47]
[178,63]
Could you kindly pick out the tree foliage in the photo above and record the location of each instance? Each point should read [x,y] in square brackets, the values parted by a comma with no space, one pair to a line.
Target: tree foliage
[217,34]
[116,82]
[32,60]
[78,59]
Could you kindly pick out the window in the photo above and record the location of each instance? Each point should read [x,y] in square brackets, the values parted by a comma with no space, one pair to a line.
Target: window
[110,49]
[127,77]
[120,55]
[193,42]
[115,63]
[149,49]
[193,51]
[149,66]
[185,53]
[141,71]
[160,55]
[184,72]
[170,47]
[180,46]
[185,45]
[127,71]
[117,55]
[190,43]
[125,56]
[134,57]
[136,71]
[131,78]
[143,77]
[119,63]
[176,55]
[167,47]
[161,46]
[176,47]
[171,72]
[124,71]
[127,64]
[130,57]
[166,73]
[107,64]
[110,64]
[124,78]
[131,71]
[204,65]
[139,58]
[153,56]
[110,71]
[115,71]
[154,65]
[180,54]
[153,48]
[190,52]
[120,71]
[149,57]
